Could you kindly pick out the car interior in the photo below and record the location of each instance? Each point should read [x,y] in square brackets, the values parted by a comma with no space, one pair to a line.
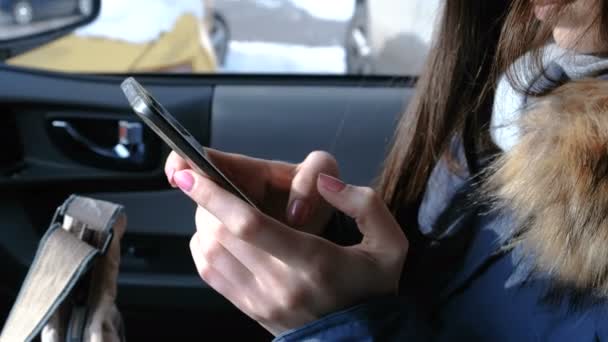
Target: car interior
[57,132]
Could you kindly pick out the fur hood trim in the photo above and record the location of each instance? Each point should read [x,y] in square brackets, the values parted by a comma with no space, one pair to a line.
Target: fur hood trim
[555,181]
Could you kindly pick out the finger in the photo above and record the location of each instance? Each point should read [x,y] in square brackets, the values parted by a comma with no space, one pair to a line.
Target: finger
[207,272]
[217,255]
[242,169]
[233,293]
[376,223]
[304,198]
[173,164]
[242,220]
[259,263]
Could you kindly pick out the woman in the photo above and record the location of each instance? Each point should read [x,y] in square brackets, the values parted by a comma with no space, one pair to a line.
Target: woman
[498,182]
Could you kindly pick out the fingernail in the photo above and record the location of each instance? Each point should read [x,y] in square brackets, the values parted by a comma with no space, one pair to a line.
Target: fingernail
[184,180]
[298,212]
[170,174]
[330,183]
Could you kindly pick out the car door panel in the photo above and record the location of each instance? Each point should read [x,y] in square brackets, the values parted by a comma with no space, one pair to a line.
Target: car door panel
[275,117]
[287,122]
[38,98]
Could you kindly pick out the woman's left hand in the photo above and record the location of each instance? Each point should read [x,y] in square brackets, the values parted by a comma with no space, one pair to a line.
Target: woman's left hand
[284,278]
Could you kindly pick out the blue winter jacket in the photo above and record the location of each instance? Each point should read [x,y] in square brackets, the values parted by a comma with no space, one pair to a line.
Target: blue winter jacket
[531,266]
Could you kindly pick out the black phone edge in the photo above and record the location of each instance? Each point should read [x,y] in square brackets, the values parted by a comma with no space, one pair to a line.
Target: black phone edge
[175,139]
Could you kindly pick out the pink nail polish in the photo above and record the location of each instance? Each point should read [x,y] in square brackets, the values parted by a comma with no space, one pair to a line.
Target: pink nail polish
[299,212]
[331,183]
[184,180]
[170,174]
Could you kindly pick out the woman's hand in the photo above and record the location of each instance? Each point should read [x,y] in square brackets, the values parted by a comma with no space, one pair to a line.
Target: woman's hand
[287,192]
[284,278]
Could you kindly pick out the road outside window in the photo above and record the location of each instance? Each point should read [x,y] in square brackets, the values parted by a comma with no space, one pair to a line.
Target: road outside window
[337,37]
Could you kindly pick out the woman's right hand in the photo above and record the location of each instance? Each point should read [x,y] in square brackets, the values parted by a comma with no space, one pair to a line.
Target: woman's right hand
[287,192]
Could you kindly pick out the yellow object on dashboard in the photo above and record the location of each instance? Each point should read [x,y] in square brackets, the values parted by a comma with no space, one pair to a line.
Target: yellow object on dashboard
[186,48]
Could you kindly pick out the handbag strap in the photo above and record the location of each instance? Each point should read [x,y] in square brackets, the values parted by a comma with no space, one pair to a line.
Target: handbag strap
[81,229]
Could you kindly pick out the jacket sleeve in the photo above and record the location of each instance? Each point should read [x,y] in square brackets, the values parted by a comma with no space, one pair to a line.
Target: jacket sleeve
[383,319]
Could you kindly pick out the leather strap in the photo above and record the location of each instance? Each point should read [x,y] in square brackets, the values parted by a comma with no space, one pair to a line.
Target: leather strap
[81,230]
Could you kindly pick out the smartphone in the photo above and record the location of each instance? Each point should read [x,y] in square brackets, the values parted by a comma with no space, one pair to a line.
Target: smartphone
[175,135]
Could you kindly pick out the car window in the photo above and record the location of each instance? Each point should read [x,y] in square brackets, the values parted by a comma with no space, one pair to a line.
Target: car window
[338,37]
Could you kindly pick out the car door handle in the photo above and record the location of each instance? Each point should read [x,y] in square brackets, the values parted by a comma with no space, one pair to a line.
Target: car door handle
[129,148]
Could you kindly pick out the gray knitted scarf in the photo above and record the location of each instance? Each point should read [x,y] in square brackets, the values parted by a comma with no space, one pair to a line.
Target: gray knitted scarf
[559,65]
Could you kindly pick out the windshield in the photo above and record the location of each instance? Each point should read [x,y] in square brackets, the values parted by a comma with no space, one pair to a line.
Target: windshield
[337,37]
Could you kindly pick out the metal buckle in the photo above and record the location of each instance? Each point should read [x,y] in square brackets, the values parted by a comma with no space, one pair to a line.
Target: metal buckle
[97,239]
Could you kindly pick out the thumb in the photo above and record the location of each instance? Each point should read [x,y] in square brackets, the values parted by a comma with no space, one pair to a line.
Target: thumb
[381,233]
[305,205]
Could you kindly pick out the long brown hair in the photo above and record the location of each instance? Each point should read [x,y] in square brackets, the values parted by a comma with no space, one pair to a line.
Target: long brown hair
[447,92]
[476,41]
